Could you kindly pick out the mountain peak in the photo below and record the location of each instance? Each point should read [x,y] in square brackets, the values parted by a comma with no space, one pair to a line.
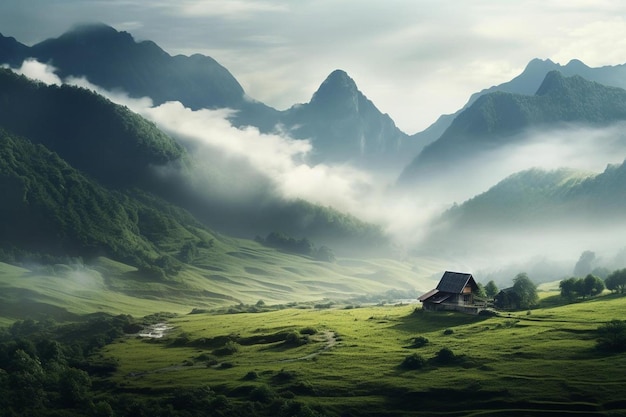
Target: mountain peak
[87,38]
[337,85]
[538,64]
[339,76]
[553,81]
[95,31]
[576,65]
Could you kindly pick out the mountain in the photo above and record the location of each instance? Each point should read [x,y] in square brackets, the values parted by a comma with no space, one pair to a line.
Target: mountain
[527,83]
[498,119]
[114,60]
[344,125]
[51,208]
[122,152]
[11,51]
[536,221]
[109,142]
[539,198]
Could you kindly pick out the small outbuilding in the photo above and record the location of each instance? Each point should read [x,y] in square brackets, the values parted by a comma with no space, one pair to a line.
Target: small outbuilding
[456,291]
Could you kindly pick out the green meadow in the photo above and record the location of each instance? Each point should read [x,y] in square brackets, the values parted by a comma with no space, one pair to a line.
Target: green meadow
[255,332]
[542,363]
[231,272]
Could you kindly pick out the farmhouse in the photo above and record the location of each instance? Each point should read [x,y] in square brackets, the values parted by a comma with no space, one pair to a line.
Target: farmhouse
[456,291]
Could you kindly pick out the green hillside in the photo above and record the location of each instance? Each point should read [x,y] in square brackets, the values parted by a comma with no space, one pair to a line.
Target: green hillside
[537,197]
[358,361]
[496,120]
[51,208]
[107,141]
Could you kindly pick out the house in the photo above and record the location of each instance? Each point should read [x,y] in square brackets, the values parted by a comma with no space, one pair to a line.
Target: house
[456,291]
[506,299]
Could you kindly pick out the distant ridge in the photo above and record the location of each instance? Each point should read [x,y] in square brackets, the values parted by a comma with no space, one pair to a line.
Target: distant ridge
[527,83]
[495,119]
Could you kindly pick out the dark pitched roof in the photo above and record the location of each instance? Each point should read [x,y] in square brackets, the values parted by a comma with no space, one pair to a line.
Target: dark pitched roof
[454,282]
[428,295]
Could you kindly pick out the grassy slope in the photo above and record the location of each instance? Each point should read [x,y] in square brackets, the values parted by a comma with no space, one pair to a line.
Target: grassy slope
[231,272]
[538,364]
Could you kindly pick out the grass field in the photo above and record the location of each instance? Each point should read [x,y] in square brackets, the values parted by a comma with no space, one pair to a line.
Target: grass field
[231,272]
[323,346]
[543,363]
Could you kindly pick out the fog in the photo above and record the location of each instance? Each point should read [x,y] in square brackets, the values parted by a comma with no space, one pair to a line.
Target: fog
[240,170]
[574,146]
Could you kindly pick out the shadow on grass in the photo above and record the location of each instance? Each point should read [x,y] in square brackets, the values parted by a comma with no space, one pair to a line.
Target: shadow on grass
[421,321]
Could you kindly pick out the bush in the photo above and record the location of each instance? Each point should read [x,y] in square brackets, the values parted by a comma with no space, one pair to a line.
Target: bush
[612,336]
[419,341]
[229,348]
[445,357]
[294,339]
[413,361]
[308,330]
[250,376]
[448,332]
[262,394]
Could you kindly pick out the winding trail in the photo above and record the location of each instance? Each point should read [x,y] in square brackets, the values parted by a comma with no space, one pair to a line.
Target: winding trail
[328,337]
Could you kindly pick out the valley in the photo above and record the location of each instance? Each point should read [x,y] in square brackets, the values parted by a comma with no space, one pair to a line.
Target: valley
[170,246]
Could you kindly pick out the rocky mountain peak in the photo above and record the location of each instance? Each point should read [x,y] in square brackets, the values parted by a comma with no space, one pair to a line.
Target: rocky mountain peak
[338,86]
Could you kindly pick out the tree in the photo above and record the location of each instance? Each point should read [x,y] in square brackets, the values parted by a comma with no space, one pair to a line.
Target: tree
[592,285]
[584,265]
[569,288]
[481,290]
[491,289]
[74,387]
[616,281]
[526,291]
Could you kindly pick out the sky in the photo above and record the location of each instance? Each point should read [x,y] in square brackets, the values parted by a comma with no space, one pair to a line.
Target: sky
[415,59]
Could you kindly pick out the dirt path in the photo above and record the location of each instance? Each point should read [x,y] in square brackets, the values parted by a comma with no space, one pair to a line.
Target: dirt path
[328,337]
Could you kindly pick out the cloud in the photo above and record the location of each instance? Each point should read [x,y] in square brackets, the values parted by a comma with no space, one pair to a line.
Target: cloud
[232,9]
[241,169]
[279,159]
[37,71]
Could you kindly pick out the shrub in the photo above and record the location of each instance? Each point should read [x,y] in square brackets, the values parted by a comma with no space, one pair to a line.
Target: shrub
[413,361]
[262,394]
[294,339]
[419,341]
[308,330]
[445,356]
[284,376]
[612,336]
[448,332]
[250,376]
[228,349]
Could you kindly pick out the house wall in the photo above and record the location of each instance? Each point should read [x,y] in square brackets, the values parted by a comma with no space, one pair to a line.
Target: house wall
[451,307]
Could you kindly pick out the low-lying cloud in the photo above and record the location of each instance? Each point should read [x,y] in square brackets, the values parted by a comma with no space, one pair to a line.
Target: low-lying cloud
[242,167]
[240,159]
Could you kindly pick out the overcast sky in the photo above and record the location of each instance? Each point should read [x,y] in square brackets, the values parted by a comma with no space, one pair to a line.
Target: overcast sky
[415,59]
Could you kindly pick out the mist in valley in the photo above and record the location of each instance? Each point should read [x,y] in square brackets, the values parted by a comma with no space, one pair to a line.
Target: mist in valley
[240,179]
